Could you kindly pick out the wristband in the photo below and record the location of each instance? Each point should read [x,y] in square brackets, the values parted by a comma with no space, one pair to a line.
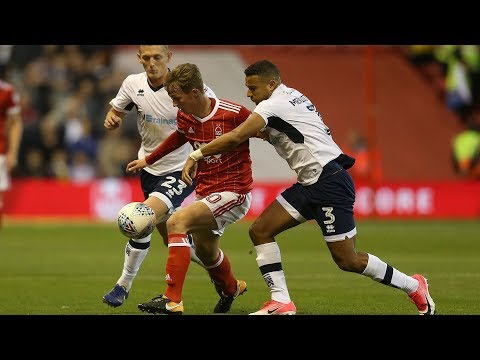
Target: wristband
[196,155]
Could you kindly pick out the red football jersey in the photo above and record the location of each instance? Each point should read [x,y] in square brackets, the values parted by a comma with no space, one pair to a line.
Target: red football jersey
[230,171]
[9,104]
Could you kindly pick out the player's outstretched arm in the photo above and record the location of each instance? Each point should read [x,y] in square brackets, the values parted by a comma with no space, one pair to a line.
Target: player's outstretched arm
[249,128]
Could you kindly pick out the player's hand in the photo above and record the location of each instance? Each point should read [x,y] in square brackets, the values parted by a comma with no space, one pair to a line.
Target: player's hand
[112,121]
[189,171]
[262,135]
[136,165]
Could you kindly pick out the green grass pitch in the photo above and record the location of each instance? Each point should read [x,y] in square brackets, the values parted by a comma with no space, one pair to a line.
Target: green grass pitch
[65,269]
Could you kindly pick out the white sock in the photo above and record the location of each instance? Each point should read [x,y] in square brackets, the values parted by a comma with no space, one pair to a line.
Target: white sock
[193,256]
[382,272]
[133,259]
[270,264]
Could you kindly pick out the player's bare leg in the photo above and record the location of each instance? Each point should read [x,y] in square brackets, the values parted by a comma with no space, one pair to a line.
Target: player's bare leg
[135,252]
[218,266]
[197,218]
[273,220]
[348,259]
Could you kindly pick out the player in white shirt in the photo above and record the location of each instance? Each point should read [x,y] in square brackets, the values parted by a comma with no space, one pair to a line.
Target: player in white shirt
[161,182]
[324,190]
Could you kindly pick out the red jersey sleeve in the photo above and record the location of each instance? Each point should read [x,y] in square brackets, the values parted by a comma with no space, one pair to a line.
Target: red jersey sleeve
[174,141]
[244,113]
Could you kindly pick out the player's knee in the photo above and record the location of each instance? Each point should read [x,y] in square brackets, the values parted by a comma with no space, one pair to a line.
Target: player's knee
[178,224]
[258,231]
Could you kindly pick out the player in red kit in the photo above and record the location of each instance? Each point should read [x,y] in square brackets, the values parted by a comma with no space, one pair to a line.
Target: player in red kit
[11,129]
[224,184]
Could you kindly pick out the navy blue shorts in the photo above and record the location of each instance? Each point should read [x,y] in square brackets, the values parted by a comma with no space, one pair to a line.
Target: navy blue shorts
[329,201]
[171,186]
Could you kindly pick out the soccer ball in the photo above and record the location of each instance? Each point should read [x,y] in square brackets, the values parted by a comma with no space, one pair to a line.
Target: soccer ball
[136,220]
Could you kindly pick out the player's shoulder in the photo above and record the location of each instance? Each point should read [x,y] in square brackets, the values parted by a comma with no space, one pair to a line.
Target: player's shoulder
[281,99]
[285,93]
[135,79]
[230,105]
[231,110]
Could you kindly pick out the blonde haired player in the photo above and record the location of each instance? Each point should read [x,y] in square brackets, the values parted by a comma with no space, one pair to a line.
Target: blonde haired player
[223,191]
[161,182]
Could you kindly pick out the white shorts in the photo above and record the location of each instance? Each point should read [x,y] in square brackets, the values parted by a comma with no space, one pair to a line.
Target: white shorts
[227,207]
[4,175]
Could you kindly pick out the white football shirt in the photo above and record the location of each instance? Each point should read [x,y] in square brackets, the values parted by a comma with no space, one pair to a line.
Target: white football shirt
[298,133]
[156,120]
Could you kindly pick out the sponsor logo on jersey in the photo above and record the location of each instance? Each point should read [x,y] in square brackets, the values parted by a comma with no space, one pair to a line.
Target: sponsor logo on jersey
[218,130]
[160,121]
[298,100]
[140,92]
[213,159]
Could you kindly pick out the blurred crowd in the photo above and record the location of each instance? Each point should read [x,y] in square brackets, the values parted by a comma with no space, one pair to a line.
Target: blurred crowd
[64,92]
[453,71]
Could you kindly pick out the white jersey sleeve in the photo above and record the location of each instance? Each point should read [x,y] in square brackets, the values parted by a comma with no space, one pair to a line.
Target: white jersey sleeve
[297,131]
[123,102]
